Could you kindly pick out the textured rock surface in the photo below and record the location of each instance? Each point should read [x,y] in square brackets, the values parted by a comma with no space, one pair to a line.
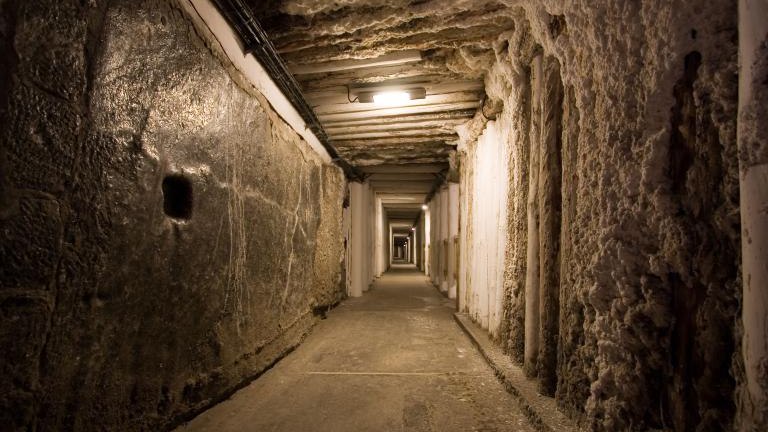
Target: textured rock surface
[103,102]
[115,316]
[649,253]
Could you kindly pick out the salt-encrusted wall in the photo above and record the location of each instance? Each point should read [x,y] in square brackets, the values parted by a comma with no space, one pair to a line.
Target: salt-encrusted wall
[160,225]
[621,264]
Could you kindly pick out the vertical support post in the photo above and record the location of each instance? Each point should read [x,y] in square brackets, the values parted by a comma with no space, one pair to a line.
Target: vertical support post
[444,209]
[370,236]
[531,353]
[753,176]
[453,232]
[391,245]
[427,242]
[550,216]
[379,238]
[357,239]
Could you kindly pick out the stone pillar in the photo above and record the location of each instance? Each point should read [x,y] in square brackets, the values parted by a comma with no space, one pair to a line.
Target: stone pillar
[753,155]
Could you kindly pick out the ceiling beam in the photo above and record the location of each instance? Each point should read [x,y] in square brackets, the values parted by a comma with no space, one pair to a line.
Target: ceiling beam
[422,141]
[373,138]
[365,161]
[400,111]
[442,125]
[390,59]
[412,168]
[430,100]
[457,116]
[433,133]
[402,177]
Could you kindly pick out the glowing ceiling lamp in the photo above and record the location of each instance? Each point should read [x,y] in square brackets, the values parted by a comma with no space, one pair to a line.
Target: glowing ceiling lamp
[391,97]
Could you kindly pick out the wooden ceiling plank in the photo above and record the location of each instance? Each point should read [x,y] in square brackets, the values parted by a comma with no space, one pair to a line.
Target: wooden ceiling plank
[443,125]
[471,96]
[439,141]
[411,168]
[389,59]
[391,75]
[424,133]
[389,112]
[459,116]
[402,176]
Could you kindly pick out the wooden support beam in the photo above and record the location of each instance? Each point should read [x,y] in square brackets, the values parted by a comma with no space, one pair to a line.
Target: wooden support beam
[430,100]
[426,141]
[457,116]
[412,168]
[388,112]
[415,134]
[390,59]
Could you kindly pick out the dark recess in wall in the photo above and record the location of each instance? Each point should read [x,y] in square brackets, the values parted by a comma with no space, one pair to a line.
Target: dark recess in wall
[700,384]
[683,127]
[177,196]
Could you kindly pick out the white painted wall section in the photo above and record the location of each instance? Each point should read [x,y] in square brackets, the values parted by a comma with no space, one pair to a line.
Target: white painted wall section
[483,228]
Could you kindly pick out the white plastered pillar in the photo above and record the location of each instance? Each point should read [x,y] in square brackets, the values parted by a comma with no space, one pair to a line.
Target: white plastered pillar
[453,233]
[357,238]
[444,240]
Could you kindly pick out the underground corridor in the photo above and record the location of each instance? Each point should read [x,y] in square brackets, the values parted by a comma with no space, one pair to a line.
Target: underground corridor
[384,215]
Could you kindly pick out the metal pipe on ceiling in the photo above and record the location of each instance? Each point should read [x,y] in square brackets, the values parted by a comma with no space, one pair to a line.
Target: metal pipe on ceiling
[256,42]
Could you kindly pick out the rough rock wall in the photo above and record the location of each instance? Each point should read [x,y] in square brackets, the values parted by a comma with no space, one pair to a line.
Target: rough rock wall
[329,285]
[114,315]
[648,333]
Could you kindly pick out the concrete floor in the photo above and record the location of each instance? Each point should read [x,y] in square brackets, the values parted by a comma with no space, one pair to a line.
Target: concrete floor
[391,360]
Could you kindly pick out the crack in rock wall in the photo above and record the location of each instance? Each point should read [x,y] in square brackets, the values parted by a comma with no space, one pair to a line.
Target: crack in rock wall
[114,315]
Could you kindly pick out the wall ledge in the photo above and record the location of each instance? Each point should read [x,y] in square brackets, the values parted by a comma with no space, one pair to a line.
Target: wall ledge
[542,411]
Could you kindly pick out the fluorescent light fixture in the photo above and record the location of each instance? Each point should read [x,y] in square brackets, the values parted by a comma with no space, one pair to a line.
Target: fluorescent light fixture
[390,96]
